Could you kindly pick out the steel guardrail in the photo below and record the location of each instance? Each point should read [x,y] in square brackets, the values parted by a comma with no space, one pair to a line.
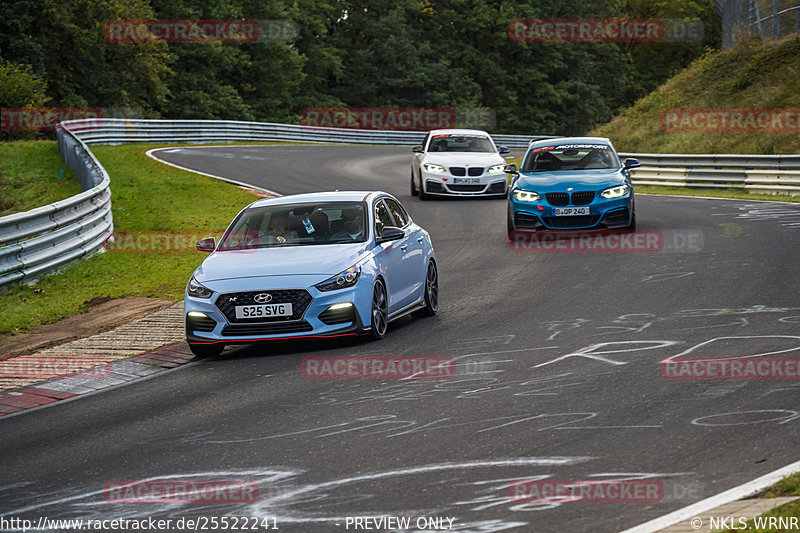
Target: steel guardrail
[46,238]
[111,131]
[758,173]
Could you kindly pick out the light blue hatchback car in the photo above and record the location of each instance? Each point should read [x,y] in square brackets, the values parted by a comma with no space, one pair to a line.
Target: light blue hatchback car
[571,183]
[315,265]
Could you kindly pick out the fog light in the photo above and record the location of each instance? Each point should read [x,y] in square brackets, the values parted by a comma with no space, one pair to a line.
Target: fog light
[197,314]
[339,313]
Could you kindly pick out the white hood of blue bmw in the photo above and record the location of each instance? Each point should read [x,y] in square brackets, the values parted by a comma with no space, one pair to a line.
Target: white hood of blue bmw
[320,259]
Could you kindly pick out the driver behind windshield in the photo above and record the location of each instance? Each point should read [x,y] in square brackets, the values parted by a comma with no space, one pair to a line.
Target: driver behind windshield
[280,229]
[352,226]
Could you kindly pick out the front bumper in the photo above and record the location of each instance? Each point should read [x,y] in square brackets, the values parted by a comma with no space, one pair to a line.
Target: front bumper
[211,321]
[447,184]
[603,213]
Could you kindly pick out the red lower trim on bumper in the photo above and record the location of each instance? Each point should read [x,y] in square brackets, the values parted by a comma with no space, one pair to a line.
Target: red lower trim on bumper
[250,341]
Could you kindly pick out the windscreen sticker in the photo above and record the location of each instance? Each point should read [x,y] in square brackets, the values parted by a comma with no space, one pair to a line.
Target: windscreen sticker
[579,146]
[461,136]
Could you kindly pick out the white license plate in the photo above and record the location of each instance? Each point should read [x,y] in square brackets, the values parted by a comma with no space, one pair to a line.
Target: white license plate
[472,181]
[263,311]
[570,211]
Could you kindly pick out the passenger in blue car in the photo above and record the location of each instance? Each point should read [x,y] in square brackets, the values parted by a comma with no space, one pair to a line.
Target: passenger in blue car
[597,159]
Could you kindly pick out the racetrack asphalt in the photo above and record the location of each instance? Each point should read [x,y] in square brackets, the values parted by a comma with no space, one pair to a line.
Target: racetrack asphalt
[558,377]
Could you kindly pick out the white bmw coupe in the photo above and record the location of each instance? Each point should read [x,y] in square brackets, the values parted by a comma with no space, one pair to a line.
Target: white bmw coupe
[458,162]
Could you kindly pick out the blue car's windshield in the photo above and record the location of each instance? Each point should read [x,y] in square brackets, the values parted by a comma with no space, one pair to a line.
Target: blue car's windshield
[570,157]
[460,143]
[296,224]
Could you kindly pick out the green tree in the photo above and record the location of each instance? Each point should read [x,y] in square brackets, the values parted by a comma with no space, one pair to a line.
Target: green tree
[393,60]
[654,63]
[536,87]
[64,44]
[19,87]
[18,42]
[237,81]
[84,69]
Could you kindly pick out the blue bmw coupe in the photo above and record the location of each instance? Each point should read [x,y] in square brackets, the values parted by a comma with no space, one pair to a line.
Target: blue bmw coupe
[313,265]
[571,183]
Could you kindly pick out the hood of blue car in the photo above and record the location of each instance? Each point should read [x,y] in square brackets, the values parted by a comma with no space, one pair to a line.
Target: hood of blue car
[589,180]
[320,259]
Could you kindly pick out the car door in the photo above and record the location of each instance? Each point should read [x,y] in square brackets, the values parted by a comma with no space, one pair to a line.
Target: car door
[391,257]
[414,265]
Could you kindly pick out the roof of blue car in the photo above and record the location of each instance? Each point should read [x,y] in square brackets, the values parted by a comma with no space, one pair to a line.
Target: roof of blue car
[570,140]
[327,196]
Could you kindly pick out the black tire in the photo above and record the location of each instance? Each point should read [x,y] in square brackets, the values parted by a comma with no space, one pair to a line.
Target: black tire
[414,191]
[422,194]
[431,292]
[379,319]
[509,224]
[202,351]
[632,225]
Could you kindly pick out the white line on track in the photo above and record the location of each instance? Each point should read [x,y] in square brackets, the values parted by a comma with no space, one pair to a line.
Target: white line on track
[728,496]
[149,154]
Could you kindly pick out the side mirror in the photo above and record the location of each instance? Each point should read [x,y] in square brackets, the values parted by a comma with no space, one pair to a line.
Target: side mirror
[391,233]
[206,245]
[510,169]
[503,150]
[417,149]
[631,163]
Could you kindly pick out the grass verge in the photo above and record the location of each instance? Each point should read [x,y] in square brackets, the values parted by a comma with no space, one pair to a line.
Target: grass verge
[150,199]
[788,486]
[29,176]
[754,74]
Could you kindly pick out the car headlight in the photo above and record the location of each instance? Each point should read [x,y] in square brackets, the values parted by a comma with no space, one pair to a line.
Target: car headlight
[526,196]
[497,169]
[342,280]
[615,192]
[433,169]
[198,291]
